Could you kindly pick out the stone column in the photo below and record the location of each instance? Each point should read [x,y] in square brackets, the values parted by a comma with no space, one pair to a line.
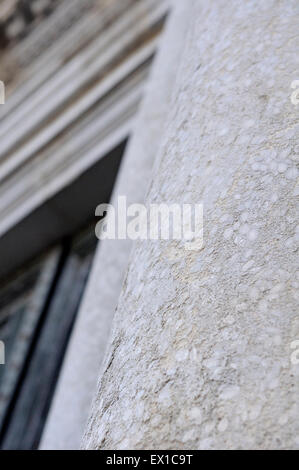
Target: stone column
[69,412]
[201,355]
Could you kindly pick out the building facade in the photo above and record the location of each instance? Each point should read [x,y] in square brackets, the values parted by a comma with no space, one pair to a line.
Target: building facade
[74,75]
[144,344]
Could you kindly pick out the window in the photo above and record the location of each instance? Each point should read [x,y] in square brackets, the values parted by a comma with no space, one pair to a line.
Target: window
[37,311]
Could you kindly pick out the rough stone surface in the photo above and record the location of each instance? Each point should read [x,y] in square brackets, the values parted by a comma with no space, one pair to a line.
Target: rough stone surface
[77,383]
[200,356]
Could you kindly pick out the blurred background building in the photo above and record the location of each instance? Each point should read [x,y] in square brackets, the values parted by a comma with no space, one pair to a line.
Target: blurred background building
[74,74]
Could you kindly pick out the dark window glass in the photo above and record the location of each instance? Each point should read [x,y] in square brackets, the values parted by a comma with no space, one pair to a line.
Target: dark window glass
[37,312]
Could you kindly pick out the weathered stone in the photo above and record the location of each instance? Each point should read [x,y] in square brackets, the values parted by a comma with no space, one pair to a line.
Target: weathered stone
[201,348]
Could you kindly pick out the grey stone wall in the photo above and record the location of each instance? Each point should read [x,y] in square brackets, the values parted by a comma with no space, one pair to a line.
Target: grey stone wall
[201,349]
